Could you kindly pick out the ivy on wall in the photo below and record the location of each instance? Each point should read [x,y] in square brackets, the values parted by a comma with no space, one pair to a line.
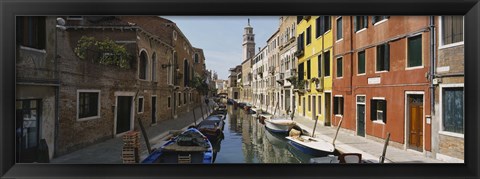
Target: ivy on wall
[106,52]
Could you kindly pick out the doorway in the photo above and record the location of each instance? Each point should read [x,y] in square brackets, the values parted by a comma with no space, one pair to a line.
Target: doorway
[124,112]
[361,116]
[314,109]
[303,105]
[327,108]
[154,110]
[28,117]
[415,121]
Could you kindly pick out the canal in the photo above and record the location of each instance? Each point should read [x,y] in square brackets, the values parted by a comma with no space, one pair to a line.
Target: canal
[247,141]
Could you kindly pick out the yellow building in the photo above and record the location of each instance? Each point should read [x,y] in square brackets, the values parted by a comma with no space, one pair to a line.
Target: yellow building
[314,53]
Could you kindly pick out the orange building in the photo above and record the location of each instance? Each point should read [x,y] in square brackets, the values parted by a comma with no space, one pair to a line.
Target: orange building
[380,78]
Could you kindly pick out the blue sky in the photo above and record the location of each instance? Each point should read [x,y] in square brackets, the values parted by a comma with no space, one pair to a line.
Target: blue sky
[220,37]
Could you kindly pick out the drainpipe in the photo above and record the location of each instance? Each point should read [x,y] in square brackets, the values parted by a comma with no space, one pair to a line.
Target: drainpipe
[432,64]
[59,25]
[351,55]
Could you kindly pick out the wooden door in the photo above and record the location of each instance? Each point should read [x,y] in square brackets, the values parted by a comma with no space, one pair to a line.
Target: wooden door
[415,110]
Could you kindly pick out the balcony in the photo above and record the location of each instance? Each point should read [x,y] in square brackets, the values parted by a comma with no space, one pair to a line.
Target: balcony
[299,53]
[318,84]
[32,65]
[271,70]
[280,78]
[307,85]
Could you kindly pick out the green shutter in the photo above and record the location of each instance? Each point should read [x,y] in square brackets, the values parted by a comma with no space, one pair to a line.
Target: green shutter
[361,63]
[415,51]
[384,111]
[379,59]
[319,62]
[373,110]
[387,57]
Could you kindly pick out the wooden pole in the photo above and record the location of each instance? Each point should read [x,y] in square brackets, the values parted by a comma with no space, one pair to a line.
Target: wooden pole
[338,129]
[144,133]
[315,126]
[382,158]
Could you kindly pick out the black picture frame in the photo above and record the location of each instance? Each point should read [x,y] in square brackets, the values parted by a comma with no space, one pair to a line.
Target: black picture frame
[9,9]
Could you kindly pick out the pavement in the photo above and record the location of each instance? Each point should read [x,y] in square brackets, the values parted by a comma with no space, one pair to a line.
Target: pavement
[110,151]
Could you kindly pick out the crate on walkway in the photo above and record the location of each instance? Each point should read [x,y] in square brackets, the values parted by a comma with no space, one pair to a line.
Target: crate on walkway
[131,145]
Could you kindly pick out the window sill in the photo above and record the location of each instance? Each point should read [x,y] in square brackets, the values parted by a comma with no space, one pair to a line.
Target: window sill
[384,71]
[379,122]
[380,22]
[451,134]
[339,40]
[450,45]
[414,68]
[88,118]
[362,74]
[361,30]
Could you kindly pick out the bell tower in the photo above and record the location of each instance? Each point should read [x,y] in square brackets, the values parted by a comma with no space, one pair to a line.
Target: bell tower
[248,42]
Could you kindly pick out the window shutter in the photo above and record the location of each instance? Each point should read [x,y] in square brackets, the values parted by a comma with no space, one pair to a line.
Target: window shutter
[384,111]
[374,19]
[322,25]
[335,105]
[387,57]
[341,107]
[373,110]
[379,59]
[365,21]
[355,23]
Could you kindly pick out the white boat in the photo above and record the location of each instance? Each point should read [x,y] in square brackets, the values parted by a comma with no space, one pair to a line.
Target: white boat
[279,124]
[312,146]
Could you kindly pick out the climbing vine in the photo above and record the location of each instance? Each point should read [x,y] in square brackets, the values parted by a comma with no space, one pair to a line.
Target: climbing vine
[108,52]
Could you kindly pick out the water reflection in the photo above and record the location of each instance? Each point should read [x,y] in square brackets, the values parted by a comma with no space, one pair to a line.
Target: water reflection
[247,141]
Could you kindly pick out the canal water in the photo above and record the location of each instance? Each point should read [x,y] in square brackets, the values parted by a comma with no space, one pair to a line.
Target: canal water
[247,141]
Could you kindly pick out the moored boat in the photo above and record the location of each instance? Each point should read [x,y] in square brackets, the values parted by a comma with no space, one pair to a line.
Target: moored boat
[191,146]
[279,124]
[311,146]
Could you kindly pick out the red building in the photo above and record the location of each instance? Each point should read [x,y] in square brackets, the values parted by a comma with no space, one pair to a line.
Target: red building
[381,78]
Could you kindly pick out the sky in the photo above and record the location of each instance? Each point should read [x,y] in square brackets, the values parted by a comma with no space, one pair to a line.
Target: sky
[221,37]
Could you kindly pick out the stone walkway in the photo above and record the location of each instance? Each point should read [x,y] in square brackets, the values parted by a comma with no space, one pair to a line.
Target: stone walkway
[109,152]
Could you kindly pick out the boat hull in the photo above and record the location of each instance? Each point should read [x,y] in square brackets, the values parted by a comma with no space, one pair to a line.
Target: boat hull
[277,128]
[329,150]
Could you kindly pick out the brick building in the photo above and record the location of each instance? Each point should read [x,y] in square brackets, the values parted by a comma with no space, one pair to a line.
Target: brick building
[380,84]
[98,102]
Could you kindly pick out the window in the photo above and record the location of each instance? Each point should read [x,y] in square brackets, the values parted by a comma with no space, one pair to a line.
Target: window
[319,105]
[383,57]
[361,63]
[309,35]
[179,99]
[323,25]
[184,98]
[339,28]
[360,22]
[142,71]
[300,71]
[309,101]
[88,104]
[376,19]
[339,67]
[140,104]
[169,102]
[319,62]
[415,51]
[326,62]
[452,110]
[31,32]
[300,42]
[451,29]
[338,105]
[378,110]
[197,58]
[154,66]
[308,70]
